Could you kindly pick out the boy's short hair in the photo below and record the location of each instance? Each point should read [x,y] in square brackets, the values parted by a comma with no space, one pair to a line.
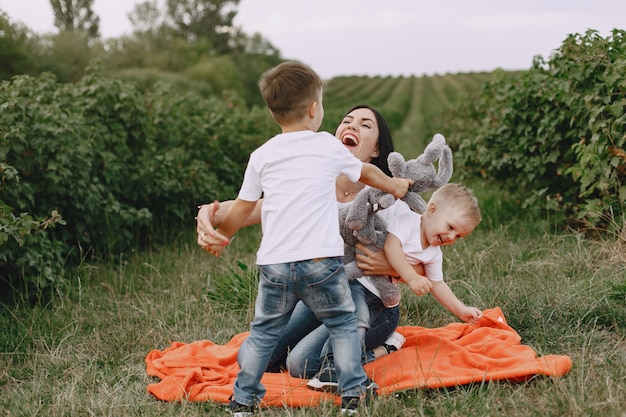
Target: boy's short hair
[288,89]
[461,197]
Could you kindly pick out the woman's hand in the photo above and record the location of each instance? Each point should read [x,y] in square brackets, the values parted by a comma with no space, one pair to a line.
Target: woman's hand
[373,262]
[215,249]
[204,226]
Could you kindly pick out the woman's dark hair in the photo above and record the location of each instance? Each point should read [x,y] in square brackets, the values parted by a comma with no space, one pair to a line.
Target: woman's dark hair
[385,142]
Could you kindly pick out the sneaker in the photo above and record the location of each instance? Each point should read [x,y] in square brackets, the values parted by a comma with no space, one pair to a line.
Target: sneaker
[371,389]
[240,410]
[395,342]
[350,405]
[325,380]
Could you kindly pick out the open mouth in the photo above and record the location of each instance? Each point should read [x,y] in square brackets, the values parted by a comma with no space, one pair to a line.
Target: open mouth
[350,140]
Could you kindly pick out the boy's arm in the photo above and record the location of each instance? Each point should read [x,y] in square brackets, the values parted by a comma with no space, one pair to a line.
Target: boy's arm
[212,215]
[374,177]
[442,292]
[235,218]
[419,284]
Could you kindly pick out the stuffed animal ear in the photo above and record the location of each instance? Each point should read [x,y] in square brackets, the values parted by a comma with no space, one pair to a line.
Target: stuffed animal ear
[396,163]
[433,149]
[444,173]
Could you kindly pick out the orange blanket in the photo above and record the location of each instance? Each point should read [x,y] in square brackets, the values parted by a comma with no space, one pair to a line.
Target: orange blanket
[456,354]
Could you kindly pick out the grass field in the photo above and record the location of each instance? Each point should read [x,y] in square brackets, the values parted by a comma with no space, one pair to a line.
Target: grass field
[81,351]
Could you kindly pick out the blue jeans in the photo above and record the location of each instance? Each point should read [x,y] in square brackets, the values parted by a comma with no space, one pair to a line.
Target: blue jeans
[322,286]
[367,308]
[302,347]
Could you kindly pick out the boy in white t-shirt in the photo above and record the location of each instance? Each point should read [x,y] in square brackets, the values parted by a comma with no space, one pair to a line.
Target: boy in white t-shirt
[300,256]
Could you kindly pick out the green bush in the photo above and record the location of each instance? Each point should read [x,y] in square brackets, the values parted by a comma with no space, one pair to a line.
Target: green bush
[555,134]
[121,167]
[25,247]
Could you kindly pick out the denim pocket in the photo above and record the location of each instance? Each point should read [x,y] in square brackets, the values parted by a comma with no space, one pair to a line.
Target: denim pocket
[273,292]
[329,287]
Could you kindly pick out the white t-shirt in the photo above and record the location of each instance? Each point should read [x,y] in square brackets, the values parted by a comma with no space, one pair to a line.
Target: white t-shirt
[386,215]
[295,173]
[406,227]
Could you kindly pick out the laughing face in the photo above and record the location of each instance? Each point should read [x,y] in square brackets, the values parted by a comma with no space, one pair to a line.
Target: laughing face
[443,225]
[358,132]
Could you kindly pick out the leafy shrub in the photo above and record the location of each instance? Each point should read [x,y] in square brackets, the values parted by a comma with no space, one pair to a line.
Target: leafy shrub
[25,248]
[119,166]
[555,134]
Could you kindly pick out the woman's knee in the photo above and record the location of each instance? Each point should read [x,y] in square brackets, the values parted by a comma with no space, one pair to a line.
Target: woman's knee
[297,365]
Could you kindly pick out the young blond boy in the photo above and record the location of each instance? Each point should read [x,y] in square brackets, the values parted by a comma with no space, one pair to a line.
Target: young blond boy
[413,239]
[451,214]
[300,256]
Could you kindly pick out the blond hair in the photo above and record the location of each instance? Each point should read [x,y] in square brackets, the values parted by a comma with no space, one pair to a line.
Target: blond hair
[288,89]
[460,197]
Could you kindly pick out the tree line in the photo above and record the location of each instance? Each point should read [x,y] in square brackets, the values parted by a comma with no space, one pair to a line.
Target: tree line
[190,43]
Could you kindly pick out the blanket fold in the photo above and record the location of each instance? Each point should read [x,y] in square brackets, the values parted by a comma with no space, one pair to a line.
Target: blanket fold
[456,354]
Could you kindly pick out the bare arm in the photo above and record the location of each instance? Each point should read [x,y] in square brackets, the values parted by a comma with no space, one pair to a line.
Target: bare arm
[236,216]
[374,177]
[419,284]
[375,262]
[442,292]
[212,215]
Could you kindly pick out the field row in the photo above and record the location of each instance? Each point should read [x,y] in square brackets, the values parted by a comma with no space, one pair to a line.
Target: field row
[414,107]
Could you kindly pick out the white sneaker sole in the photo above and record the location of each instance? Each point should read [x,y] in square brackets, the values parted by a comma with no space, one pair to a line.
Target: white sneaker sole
[317,385]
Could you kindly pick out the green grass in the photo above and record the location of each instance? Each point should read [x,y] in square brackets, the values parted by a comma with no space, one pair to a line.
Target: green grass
[82,353]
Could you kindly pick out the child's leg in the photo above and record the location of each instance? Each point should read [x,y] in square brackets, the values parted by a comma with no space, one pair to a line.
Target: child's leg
[375,324]
[296,348]
[306,358]
[367,308]
[275,301]
[324,289]
[327,377]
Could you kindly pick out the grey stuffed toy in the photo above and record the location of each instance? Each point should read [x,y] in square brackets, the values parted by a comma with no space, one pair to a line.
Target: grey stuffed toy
[421,170]
[359,223]
[389,292]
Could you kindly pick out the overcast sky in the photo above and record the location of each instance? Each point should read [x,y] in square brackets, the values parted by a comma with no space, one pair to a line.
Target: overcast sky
[389,37]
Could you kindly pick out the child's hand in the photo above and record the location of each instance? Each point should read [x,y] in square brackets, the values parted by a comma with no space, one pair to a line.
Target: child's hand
[470,315]
[401,186]
[215,249]
[419,285]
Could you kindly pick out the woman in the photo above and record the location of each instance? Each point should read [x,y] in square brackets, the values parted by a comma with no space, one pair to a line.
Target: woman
[364,132]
